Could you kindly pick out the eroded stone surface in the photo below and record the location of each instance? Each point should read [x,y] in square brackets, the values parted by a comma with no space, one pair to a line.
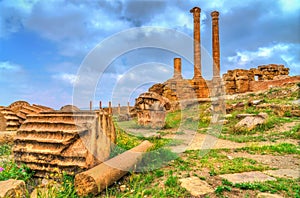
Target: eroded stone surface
[250,122]
[151,109]
[12,188]
[196,186]
[251,177]
[56,141]
[284,173]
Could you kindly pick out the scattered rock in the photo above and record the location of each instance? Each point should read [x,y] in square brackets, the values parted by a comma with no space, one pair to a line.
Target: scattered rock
[284,173]
[279,109]
[295,113]
[243,115]
[196,186]
[230,157]
[250,122]
[254,176]
[239,105]
[268,195]
[123,117]
[12,188]
[254,102]
[223,121]
[296,102]
[122,188]
[228,116]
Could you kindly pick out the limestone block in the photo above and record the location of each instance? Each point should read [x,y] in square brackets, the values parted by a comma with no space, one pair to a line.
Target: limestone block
[250,122]
[12,188]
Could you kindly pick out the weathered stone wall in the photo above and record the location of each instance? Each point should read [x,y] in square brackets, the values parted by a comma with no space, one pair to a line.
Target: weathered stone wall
[237,81]
[264,85]
[151,109]
[268,72]
[240,80]
[64,141]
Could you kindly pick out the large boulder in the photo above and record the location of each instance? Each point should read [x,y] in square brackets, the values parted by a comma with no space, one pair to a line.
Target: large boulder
[250,122]
[12,188]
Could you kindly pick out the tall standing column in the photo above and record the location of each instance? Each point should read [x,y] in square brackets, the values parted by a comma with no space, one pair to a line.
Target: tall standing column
[215,44]
[197,52]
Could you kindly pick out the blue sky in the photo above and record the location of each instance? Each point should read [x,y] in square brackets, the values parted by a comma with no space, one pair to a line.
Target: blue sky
[43,44]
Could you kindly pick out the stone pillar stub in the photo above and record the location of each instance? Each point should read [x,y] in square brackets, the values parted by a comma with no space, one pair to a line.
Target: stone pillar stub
[91,105]
[128,108]
[177,68]
[197,42]
[215,44]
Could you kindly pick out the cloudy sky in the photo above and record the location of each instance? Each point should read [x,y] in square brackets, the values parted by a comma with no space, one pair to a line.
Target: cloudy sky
[45,46]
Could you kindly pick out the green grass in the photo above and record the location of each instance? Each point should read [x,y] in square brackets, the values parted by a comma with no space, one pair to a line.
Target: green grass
[5,149]
[283,148]
[290,188]
[229,131]
[173,120]
[218,163]
[147,184]
[286,187]
[14,171]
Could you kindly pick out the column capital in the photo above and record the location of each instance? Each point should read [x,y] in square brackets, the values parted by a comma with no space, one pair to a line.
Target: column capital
[195,10]
[215,14]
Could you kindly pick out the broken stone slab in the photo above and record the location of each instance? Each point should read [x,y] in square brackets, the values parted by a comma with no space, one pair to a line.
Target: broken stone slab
[268,195]
[250,122]
[196,186]
[12,188]
[284,173]
[254,176]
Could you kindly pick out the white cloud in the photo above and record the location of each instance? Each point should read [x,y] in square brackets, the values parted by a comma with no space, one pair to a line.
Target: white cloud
[66,77]
[246,57]
[8,66]
[282,53]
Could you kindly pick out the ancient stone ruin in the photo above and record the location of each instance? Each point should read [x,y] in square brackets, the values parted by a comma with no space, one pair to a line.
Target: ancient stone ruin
[151,109]
[242,80]
[9,121]
[13,116]
[55,141]
[178,88]
[23,108]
